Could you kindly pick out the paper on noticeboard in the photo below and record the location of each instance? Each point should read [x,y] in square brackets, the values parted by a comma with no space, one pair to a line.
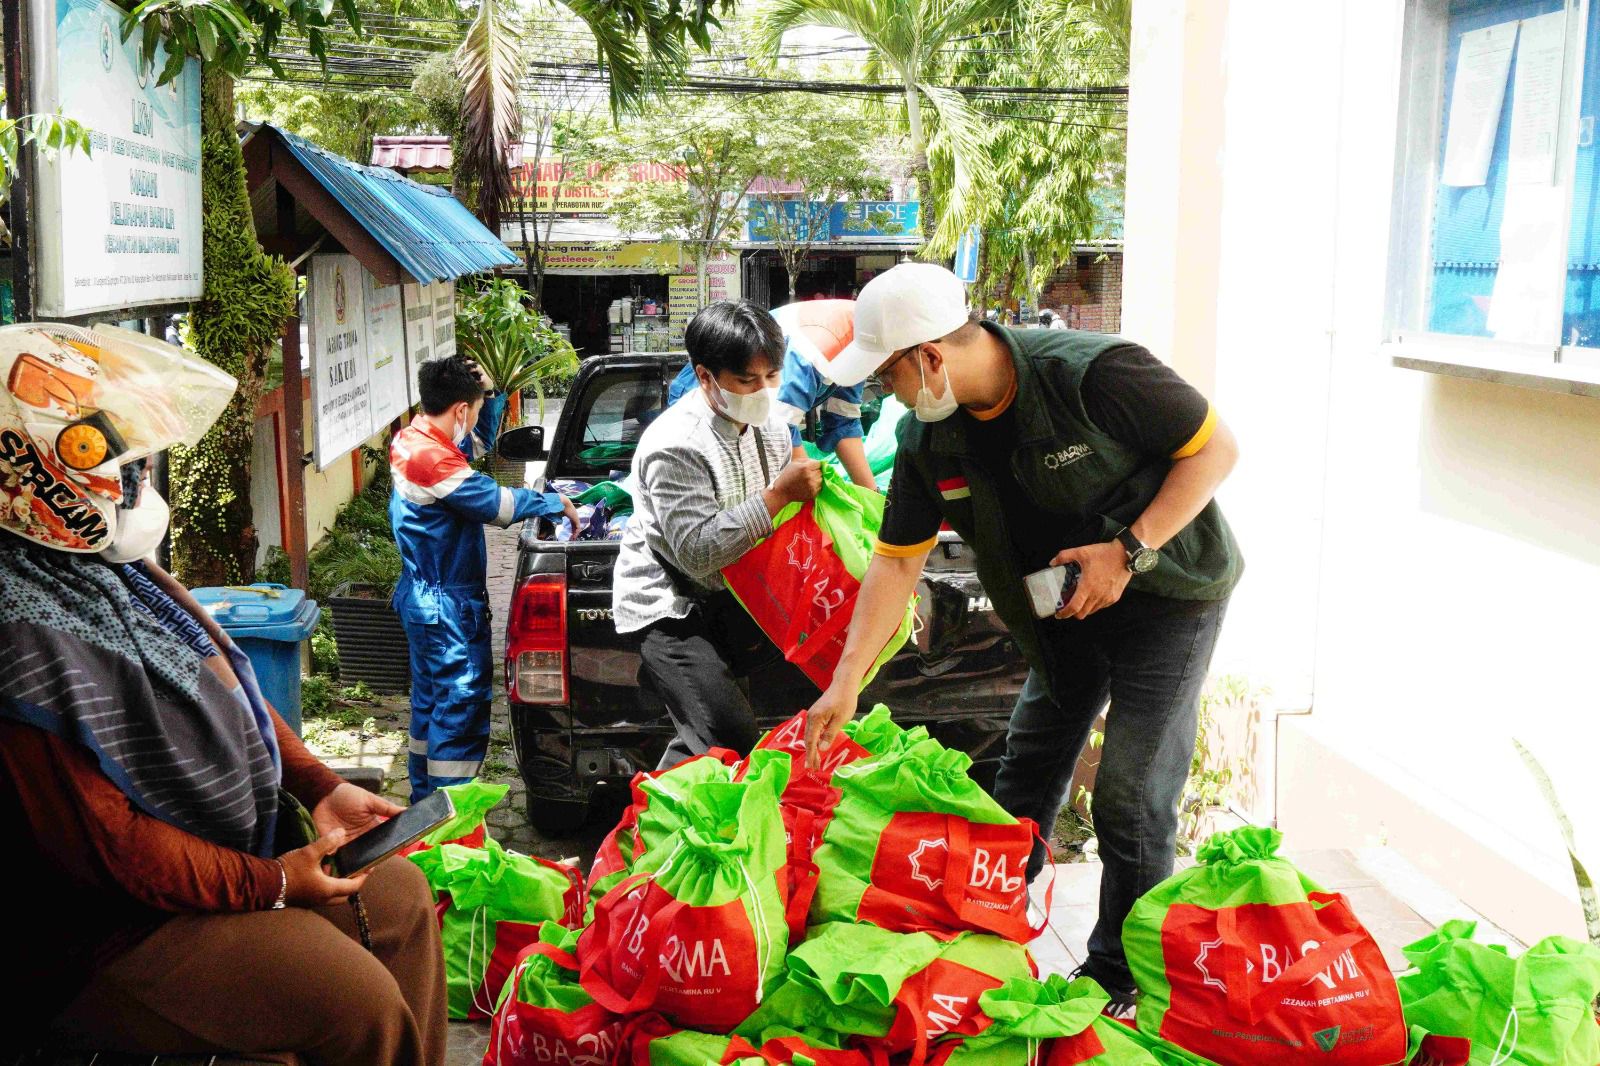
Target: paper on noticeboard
[1526,302]
[1536,99]
[1476,98]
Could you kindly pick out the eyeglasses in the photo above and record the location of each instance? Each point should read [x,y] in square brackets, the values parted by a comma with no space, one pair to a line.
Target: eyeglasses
[877,378]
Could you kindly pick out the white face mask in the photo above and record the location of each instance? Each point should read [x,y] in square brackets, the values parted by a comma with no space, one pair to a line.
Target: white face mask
[139,531]
[931,408]
[460,431]
[746,408]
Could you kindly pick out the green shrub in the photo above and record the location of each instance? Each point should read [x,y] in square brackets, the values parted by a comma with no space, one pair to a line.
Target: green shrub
[344,558]
[316,696]
[360,548]
[365,517]
[324,649]
[274,569]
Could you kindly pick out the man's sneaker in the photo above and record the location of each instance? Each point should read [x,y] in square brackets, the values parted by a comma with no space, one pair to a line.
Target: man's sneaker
[1124,998]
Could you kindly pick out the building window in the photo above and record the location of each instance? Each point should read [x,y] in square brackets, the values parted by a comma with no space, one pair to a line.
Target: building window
[1497,232]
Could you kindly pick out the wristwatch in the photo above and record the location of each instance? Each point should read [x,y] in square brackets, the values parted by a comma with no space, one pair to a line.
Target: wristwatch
[1141,560]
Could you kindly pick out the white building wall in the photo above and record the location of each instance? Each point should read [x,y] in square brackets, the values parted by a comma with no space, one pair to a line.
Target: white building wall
[1422,553]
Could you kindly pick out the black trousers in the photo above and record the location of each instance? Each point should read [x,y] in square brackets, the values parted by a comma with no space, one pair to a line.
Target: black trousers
[699,666]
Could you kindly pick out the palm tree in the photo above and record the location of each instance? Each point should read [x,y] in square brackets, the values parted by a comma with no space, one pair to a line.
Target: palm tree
[640,44]
[906,39]
[489,63]
[1057,161]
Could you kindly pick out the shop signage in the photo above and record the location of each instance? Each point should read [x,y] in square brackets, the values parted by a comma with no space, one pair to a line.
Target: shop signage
[120,224]
[863,220]
[579,191]
[722,283]
[663,257]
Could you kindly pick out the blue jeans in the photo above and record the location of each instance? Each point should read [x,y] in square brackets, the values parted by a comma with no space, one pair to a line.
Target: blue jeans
[1148,655]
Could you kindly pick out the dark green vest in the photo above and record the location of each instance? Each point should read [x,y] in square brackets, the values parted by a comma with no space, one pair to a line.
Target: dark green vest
[1077,478]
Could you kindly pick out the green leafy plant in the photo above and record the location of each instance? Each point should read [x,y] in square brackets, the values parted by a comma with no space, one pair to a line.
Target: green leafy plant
[498,329]
[1213,776]
[230,35]
[1075,823]
[718,152]
[50,133]
[274,567]
[906,42]
[820,160]
[1586,891]
[489,63]
[1210,782]
[358,550]
[324,649]
[316,696]
[345,559]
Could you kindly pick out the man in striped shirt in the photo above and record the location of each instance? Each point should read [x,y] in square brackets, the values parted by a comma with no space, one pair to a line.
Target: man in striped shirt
[712,472]
[438,510]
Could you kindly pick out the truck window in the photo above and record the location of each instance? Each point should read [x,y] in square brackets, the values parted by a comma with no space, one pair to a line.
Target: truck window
[616,414]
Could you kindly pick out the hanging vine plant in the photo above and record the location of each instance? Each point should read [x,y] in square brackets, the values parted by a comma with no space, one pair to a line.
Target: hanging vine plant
[249,295]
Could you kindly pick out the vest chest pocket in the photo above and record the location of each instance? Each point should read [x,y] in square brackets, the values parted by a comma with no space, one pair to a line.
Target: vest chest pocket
[1069,479]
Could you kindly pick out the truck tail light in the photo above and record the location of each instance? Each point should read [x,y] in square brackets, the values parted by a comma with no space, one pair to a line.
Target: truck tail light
[536,641]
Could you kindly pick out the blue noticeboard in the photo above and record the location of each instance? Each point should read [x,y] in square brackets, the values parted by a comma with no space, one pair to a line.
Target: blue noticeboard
[1466,220]
[966,264]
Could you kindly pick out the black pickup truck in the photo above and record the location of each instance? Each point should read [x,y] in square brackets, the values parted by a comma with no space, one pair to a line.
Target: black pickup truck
[583,718]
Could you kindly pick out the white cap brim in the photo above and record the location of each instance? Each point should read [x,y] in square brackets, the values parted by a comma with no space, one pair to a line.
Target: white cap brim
[853,364]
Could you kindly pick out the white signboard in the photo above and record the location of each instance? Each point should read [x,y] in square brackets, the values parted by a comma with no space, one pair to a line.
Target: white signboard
[418,300]
[120,226]
[444,319]
[341,381]
[386,351]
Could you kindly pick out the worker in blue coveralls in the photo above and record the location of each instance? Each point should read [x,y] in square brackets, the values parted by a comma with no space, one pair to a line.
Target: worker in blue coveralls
[818,380]
[438,510]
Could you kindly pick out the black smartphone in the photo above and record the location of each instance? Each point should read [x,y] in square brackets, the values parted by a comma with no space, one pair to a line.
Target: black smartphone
[382,841]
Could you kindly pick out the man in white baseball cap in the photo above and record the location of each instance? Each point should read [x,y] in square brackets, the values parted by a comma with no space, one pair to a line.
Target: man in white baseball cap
[907,305]
[1049,450]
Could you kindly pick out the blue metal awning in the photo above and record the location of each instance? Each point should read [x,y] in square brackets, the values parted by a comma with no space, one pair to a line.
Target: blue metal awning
[429,232]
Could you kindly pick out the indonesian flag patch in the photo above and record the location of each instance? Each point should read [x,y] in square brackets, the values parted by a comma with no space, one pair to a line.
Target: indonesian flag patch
[955,489]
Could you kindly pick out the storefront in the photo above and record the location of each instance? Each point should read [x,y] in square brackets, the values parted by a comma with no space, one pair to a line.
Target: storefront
[828,273]
[864,239]
[614,293]
[592,275]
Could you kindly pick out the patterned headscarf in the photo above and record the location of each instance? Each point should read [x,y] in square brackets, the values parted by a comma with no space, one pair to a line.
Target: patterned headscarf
[100,655]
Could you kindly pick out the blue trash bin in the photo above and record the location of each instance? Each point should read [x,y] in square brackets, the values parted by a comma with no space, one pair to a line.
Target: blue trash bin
[269,623]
